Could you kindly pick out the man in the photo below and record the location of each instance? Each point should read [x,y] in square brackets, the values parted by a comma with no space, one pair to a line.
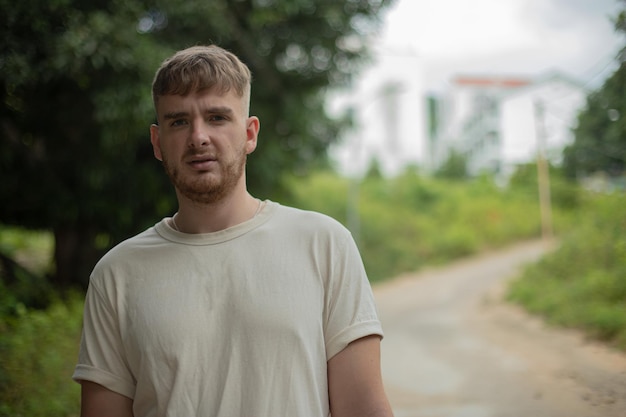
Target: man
[232,307]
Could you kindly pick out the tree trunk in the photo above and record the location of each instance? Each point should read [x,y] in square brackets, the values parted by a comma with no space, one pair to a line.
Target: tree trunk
[75,255]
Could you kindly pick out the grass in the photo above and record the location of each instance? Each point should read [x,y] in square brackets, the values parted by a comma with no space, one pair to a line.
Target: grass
[583,283]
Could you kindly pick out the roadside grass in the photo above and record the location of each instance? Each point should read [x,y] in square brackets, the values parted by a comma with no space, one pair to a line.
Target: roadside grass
[408,222]
[583,283]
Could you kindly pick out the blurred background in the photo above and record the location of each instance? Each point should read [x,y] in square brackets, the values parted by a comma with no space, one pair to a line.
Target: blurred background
[433,130]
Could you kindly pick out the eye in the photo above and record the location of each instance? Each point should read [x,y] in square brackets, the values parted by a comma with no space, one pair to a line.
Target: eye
[217,118]
[178,122]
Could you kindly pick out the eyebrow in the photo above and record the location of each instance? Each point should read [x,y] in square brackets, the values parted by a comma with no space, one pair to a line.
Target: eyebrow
[175,115]
[210,110]
[219,109]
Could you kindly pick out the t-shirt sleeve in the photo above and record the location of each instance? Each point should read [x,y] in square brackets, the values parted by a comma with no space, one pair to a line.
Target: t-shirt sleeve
[101,356]
[350,311]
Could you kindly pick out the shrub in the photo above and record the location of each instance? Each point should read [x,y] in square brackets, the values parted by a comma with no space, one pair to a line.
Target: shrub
[583,283]
[38,352]
[410,221]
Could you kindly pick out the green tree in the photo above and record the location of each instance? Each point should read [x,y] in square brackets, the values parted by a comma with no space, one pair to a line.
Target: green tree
[75,104]
[374,170]
[75,84]
[600,136]
[454,168]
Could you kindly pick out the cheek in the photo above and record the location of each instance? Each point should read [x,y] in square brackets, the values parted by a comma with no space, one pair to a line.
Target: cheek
[172,147]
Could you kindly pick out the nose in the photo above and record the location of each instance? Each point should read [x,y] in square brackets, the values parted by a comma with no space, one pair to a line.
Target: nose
[199,135]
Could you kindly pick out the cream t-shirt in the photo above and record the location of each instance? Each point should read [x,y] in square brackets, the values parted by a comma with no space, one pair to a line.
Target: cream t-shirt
[237,323]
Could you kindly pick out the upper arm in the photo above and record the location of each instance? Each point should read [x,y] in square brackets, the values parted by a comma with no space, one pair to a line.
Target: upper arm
[98,401]
[355,384]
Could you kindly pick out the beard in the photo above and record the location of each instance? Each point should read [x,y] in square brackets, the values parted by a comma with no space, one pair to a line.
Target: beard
[208,189]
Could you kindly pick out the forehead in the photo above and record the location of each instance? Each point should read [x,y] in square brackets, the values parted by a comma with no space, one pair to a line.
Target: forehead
[201,100]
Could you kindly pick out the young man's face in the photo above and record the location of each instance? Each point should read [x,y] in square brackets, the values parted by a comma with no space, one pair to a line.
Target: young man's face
[203,140]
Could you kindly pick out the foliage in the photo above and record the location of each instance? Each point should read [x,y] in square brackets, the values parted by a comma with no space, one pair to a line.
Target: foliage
[582,284]
[24,262]
[563,193]
[407,222]
[620,26]
[324,192]
[600,136]
[19,287]
[38,351]
[454,168]
[75,104]
[374,169]
[30,248]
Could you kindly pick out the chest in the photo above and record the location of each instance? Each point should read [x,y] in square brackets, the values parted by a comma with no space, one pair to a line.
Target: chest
[221,305]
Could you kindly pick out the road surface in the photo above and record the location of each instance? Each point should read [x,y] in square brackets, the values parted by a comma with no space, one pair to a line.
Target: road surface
[453,348]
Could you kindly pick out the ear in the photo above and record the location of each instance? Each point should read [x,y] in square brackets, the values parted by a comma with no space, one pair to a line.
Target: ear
[252,131]
[156,141]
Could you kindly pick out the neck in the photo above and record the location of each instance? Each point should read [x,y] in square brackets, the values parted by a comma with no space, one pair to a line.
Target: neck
[206,218]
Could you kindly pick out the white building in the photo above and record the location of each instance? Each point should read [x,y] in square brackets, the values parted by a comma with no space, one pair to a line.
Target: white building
[387,107]
[498,123]
[542,114]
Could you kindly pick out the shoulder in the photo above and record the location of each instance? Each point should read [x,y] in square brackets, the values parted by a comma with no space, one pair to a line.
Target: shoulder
[127,251]
[144,239]
[311,231]
[309,221]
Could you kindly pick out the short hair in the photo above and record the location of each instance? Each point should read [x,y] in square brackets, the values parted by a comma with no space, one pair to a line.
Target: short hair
[199,68]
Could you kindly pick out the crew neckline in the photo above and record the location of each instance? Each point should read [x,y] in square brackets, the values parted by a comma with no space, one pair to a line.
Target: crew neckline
[166,231]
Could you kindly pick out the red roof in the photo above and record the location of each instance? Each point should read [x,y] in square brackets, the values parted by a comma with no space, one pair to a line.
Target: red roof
[491,81]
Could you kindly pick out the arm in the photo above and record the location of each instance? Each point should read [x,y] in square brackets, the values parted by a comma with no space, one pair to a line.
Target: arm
[355,383]
[98,401]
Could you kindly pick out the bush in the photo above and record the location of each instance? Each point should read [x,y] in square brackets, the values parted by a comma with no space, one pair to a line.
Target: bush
[31,249]
[407,222]
[38,352]
[583,283]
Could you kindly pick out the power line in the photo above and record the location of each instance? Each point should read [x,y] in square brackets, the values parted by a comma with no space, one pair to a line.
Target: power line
[611,60]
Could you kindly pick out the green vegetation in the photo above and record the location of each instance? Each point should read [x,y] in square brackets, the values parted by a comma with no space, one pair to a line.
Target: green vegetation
[410,221]
[32,249]
[38,352]
[24,262]
[600,132]
[583,283]
[600,144]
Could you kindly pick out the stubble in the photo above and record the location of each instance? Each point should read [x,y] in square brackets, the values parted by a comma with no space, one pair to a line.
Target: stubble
[209,188]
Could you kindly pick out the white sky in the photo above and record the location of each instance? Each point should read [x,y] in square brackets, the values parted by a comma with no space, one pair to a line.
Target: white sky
[511,37]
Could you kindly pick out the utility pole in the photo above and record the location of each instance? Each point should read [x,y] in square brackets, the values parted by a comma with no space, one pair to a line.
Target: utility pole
[543,172]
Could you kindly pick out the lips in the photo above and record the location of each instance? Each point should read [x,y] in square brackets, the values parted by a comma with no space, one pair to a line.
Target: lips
[201,162]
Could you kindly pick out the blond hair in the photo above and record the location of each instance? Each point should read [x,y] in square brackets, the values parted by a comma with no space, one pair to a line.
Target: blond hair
[201,68]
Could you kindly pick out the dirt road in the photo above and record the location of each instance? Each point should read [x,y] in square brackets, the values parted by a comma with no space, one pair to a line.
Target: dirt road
[453,348]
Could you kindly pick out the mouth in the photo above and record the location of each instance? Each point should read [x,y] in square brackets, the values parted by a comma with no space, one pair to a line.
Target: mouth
[201,162]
